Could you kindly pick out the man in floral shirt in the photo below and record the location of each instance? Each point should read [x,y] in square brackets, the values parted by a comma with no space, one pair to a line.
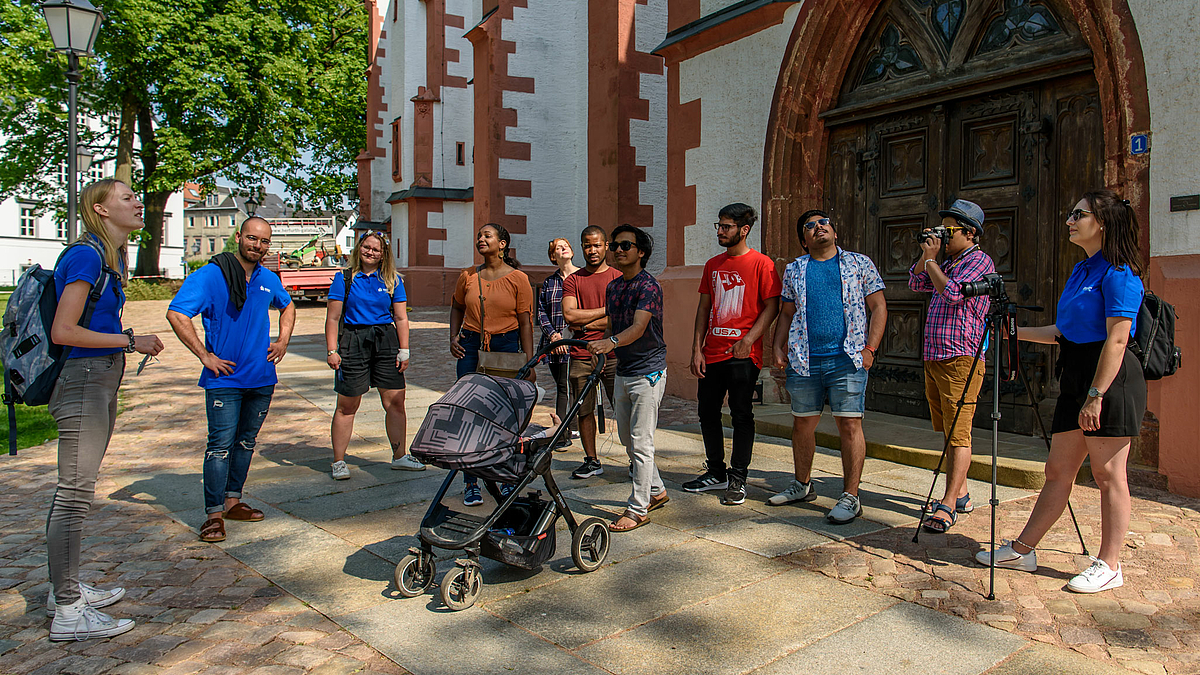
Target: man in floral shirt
[634,306]
[824,340]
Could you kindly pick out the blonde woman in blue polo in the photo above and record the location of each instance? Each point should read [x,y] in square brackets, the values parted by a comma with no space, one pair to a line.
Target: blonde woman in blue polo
[368,347]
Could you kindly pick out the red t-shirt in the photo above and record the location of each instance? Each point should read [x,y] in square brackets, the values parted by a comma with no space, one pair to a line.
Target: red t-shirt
[739,287]
[588,290]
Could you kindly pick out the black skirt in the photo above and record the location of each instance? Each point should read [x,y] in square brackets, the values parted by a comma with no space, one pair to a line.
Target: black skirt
[1123,404]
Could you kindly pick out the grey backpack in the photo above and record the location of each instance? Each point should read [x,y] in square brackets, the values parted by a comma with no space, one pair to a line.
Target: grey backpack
[32,362]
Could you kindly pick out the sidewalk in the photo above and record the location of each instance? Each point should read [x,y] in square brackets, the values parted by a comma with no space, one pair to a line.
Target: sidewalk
[703,588]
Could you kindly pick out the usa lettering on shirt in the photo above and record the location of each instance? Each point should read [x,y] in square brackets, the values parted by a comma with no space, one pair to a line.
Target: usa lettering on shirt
[729,293]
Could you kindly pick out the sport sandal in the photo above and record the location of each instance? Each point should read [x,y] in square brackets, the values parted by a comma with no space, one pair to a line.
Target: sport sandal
[938,524]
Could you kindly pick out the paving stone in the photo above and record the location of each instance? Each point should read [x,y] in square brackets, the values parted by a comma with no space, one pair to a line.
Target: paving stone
[921,639]
[1042,658]
[1121,619]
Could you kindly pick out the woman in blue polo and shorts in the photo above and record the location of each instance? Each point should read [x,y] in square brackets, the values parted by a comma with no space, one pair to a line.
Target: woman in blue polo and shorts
[368,347]
[1102,389]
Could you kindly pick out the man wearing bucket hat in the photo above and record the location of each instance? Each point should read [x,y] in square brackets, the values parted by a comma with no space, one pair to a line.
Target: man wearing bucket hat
[954,327]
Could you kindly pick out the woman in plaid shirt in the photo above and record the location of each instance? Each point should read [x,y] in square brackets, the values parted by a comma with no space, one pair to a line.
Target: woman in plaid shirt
[550,318]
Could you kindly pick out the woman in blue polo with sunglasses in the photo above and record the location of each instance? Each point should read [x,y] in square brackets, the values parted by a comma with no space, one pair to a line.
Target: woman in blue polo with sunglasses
[366,335]
[1102,390]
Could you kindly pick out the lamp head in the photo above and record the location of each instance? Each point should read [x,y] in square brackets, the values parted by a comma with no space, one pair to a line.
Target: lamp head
[74,25]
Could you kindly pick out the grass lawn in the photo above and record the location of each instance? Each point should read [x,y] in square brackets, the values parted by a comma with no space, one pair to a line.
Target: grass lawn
[34,427]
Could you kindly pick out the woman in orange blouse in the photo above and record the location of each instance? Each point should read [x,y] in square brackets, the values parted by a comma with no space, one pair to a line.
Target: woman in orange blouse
[503,325]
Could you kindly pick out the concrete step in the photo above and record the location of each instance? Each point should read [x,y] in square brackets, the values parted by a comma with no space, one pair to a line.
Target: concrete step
[906,440]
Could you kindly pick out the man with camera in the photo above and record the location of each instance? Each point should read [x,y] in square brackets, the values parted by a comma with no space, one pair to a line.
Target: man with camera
[954,327]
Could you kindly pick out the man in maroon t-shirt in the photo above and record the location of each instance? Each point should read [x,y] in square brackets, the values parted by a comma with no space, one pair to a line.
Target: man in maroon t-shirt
[583,309]
[739,297]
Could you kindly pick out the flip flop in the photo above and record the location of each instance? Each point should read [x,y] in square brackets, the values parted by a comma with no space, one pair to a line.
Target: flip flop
[658,500]
[637,520]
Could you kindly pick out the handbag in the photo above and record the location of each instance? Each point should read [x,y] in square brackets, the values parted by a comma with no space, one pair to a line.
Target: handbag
[496,364]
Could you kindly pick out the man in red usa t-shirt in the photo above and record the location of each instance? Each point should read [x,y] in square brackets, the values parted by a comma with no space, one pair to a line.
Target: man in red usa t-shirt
[739,297]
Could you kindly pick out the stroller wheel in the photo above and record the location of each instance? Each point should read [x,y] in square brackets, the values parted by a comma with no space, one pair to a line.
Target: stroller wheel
[589,544]
[461,587]
[414,574]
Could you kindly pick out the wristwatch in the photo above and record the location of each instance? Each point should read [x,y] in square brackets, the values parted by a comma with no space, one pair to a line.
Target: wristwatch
[614,339]
[129,349]
[1094,392]
[331,352]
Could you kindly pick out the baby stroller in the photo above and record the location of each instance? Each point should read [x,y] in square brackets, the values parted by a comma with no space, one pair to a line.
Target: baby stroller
[476,428]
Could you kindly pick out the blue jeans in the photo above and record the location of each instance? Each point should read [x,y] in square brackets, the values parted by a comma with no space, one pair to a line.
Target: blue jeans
[234,418]
[469,363]
[829,377]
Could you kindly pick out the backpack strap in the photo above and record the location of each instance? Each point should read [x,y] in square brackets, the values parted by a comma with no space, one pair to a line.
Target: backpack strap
[348,278]
[10,403]
[98,288]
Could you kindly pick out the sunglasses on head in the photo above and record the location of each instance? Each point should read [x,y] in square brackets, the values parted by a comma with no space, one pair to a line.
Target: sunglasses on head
[1076,214]
[378,233]
[812,224]
[620,245]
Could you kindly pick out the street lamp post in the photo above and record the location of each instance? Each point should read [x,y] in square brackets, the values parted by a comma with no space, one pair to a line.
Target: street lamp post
[73,25]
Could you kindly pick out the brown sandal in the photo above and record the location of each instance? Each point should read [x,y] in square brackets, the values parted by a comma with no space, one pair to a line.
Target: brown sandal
[213,530]
[637,521]
[240,511]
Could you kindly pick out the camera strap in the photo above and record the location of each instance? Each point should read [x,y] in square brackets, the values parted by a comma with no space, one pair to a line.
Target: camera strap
[1014,348]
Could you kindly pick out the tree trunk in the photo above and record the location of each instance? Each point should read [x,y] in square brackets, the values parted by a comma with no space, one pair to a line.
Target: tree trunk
[155,202]
[130,109]
[148,253]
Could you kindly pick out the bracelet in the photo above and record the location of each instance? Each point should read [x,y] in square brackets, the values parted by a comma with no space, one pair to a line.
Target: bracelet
[930,260]
[869,347]
[402,354]
[129,349]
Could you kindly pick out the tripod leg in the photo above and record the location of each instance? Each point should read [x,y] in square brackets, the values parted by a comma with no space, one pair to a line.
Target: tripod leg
[1046,439]
[962,400]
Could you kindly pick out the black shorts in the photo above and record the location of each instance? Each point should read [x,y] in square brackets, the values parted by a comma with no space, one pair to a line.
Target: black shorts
[368,360]
[1123,404]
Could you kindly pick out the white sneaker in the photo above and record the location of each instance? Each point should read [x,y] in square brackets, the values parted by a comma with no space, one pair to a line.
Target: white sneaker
[94,597]
[848,508]
[1009,558]
[78,621]
[796,492]
[1098,577]
[339,470]
[408,463]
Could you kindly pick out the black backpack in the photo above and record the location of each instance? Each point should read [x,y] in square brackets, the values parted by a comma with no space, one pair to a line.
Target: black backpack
[1153,343]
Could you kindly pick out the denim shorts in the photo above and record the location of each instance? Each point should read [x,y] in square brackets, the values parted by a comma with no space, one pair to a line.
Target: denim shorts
[830,377]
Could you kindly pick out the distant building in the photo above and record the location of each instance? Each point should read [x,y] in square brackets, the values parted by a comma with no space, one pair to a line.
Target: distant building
[213,216]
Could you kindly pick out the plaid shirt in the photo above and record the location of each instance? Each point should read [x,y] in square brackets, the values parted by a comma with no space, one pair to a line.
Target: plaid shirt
[954,324]
[550,316]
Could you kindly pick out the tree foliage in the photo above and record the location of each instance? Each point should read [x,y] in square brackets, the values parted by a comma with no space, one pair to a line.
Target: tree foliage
[197,90]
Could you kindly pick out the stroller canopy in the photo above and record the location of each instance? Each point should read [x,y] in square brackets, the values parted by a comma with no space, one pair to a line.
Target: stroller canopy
[476,424]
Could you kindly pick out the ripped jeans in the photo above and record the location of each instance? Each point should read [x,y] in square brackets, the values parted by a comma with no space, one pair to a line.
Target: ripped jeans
[234,418]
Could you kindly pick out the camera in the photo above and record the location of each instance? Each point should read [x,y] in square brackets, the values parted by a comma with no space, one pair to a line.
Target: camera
[938,232]
[991,285]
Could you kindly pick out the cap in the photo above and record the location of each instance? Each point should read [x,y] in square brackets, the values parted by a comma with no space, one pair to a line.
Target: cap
[965,212]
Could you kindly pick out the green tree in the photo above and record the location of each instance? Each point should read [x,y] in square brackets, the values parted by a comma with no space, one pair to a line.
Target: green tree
[198,89]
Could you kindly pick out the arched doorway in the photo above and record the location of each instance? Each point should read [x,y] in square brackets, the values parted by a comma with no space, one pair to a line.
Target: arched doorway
[996,101]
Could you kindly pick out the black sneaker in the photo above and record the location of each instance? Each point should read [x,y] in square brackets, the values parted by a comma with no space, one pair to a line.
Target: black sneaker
[590,467]
[736,492]
[707,481]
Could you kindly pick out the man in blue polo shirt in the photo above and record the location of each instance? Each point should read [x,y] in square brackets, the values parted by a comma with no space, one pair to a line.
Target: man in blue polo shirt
[233,294]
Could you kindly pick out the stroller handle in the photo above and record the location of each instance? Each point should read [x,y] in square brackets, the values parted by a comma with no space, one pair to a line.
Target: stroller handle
[541,354]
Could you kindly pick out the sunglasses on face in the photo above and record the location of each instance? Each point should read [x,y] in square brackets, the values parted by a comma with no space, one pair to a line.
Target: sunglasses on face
[1076,214]
[812,224]
[620,245]
[727,226]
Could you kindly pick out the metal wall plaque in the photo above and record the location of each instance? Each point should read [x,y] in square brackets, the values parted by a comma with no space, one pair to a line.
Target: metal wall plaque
[1139,144]
[1185,203]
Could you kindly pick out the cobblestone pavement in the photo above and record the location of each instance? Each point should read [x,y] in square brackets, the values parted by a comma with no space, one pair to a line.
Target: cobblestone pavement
[1150,625]
[201,611]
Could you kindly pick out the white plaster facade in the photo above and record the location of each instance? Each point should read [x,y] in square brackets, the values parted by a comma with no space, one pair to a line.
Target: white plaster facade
[735,84]
[1167,30]
[552,49]
[648,137]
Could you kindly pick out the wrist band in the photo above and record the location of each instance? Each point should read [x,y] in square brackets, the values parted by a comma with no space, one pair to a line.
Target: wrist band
[869,347]
[403,354]
[930,260]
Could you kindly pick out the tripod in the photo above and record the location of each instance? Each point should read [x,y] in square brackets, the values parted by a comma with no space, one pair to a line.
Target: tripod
[1001,322]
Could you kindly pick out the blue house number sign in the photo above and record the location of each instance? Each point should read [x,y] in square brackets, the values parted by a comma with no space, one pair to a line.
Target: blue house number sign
[1139,144]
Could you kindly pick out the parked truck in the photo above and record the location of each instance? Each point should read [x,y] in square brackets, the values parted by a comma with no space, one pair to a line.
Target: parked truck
[304,282]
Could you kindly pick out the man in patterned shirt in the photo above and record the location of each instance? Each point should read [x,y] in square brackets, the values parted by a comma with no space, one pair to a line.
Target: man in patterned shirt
[954,327]
[824,340]
[634,306]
